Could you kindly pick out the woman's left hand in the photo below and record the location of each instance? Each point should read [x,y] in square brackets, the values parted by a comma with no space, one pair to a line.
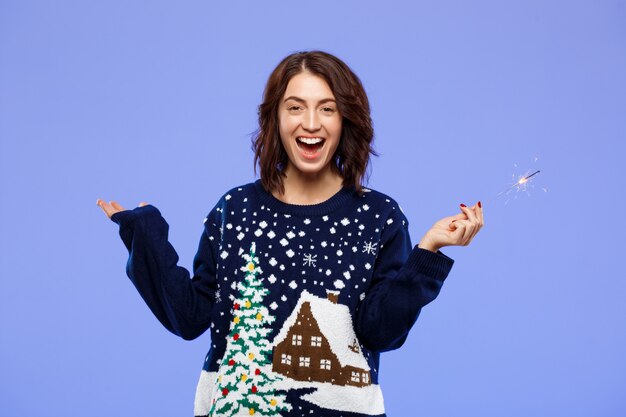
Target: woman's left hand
[458,230]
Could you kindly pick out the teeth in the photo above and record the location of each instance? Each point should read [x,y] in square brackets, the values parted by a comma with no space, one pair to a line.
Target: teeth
[310,141]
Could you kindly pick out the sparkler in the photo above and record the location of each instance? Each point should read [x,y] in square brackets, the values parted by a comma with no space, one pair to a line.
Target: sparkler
[519,183]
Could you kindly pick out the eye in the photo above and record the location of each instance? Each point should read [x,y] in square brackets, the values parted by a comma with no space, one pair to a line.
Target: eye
[291,108]
[328,109]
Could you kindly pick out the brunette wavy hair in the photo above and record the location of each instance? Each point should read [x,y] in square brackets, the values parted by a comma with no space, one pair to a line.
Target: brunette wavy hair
[352,156]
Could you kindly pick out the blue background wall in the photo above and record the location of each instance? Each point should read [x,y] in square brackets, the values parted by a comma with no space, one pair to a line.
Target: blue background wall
[154,101]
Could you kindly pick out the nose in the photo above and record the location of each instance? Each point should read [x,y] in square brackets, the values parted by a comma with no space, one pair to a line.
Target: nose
[311,121]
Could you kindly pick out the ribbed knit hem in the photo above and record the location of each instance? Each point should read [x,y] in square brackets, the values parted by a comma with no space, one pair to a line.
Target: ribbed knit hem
[436,265]
[126,217]
[333,203]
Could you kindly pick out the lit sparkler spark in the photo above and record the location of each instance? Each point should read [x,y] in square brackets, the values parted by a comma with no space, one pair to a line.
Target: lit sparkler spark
[521,181]
[520,184]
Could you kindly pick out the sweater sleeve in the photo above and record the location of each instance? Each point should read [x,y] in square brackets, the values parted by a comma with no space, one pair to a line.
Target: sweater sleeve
[405,279]
[181,304]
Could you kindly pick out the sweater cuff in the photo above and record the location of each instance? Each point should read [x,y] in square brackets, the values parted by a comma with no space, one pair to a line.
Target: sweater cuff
[435,265]
[127,217]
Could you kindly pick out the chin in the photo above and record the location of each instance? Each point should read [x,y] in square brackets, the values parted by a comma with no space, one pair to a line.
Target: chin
[310,169]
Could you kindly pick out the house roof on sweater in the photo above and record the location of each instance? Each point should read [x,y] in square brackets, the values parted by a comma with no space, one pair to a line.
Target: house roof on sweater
[335,323]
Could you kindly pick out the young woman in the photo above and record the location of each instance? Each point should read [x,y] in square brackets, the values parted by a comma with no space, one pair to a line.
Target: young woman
[304,277]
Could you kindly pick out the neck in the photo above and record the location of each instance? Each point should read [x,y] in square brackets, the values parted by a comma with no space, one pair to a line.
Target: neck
[304,189]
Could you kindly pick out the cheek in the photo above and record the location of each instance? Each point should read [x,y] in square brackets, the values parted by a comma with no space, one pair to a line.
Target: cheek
[286,126]
[283,131]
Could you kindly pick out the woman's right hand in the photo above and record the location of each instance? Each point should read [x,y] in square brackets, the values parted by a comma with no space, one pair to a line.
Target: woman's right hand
[113,207]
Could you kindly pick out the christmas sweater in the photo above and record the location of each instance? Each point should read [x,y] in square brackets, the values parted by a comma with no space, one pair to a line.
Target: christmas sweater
[300,300]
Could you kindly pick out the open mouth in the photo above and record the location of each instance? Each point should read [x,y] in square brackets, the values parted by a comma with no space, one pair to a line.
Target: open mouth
[310,146]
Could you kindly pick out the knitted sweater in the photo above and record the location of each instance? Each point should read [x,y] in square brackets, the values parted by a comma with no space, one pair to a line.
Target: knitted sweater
[300,299]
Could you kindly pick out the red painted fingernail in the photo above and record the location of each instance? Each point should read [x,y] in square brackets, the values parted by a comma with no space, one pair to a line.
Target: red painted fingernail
[463,205]
[480,205]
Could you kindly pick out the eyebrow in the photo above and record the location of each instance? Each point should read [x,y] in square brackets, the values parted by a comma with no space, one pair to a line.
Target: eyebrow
[298,99]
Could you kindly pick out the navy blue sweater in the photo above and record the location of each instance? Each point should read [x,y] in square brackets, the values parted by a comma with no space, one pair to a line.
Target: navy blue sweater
[300,300]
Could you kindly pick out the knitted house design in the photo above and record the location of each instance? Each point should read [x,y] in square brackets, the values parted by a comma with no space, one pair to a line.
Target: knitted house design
[317,343]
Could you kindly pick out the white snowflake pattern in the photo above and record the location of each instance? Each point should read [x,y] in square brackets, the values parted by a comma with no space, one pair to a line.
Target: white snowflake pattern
[339,284]
[309,260]
[218,296]
[370,248]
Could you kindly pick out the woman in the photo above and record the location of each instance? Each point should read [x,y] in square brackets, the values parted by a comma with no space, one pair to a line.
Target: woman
[303,276]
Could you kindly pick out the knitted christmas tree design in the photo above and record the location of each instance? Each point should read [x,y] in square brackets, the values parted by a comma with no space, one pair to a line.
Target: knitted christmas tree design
[245,378]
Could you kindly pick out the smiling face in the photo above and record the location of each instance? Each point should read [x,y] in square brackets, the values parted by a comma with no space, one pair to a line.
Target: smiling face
[309,125]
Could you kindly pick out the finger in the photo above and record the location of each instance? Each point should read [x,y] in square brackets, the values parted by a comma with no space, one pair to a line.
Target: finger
[477,225]
[460,216]
[469,233]
[469,211]
[480,214]
[108,210]
[453,224]
[481,222]
[463,234]
[116,205]
[459,232]
[478,209]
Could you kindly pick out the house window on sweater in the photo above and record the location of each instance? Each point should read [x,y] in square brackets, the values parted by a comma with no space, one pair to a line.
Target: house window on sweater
[296,339]
[325,364]
[366,377]
[286,359]
[356,376]
[305,361]
[316,341]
